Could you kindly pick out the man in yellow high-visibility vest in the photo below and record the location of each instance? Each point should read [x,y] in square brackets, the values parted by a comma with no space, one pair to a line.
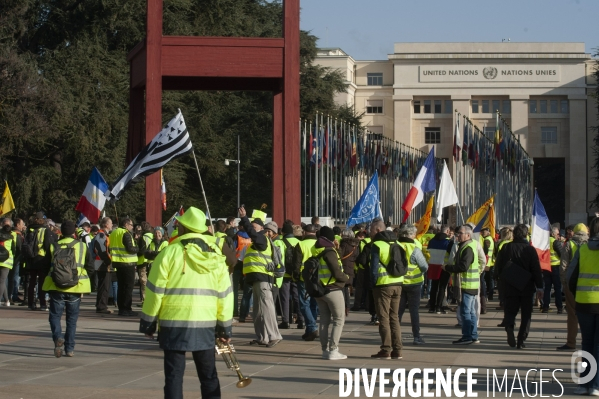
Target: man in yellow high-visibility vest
[551,278]
[124,250]
[467,265]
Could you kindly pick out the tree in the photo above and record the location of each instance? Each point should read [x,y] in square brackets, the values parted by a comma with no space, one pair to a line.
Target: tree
[595,201]
[64,83]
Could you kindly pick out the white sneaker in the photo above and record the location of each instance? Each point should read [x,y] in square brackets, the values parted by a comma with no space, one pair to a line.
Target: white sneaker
[594,392]
[335,355]
[580,390]
[325,354]
[7,303]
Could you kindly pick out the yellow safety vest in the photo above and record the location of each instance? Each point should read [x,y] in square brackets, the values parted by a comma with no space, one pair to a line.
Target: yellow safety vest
[189,288]
[220,234]
[40,242]
[418,244]
[83,285]
[363,244]
[306,247]
[163,245]
[471,277]
[147,237]
[382,278]
[501,244]
[414,275]
[587,287]
[338,238]
[324,273]
[118,251]
[490,261]
[256,261]
[573,249]
[8,263]
[555,261]
[281,244]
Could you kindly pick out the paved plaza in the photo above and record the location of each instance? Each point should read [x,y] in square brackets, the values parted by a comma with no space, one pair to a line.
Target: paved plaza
[112,360]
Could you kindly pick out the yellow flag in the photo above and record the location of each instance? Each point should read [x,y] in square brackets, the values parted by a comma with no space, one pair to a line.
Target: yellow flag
[484,217]
[425,221]
[7,202]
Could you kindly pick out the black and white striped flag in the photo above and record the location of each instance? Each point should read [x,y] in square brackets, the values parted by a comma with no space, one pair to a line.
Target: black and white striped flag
[173,141]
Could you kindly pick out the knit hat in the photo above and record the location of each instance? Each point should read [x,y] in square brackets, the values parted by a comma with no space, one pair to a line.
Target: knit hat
[287,228]
[272,226]
[160,229]
[580,227]
[68,228]
[327,232]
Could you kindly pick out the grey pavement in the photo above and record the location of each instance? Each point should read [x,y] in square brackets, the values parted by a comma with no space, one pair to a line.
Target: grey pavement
[113,360]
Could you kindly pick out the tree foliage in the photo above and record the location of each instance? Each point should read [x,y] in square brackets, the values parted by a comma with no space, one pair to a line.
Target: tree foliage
[64,86]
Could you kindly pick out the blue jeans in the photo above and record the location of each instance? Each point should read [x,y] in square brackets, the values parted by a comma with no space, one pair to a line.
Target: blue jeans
[246,301]
[115,290]
[309,312]
[58,302]
[589,329]
[468,313]
[552,278]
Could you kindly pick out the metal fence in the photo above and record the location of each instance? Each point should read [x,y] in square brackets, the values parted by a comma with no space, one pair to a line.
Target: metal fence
[338,159]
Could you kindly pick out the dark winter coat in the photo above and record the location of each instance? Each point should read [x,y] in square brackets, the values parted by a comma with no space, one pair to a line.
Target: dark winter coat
[349,250]
[525,256]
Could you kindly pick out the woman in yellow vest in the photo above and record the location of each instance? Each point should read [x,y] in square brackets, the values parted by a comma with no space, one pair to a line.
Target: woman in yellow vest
[583,281]
[331,305]
[68,299]
[6,240]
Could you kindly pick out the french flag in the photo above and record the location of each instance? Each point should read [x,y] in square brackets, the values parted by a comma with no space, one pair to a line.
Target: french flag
[425,183]
[540,233]
[92,201]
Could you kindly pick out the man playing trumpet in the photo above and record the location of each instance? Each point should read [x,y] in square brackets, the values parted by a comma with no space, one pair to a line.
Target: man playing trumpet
[189,298]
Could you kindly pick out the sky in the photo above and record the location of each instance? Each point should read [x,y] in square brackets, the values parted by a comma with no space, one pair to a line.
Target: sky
[367,29]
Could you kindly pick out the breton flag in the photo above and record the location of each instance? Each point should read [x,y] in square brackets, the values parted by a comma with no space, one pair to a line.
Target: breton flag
[483,217]
[424,183]
[540,233]
[368,206]
[92,201]
[447,193]
[173,141]
[162,191]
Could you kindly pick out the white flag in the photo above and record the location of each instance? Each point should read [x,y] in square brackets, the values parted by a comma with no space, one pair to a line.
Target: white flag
[447,195]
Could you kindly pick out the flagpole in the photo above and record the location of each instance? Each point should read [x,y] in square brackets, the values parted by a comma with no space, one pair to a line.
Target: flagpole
[202,186]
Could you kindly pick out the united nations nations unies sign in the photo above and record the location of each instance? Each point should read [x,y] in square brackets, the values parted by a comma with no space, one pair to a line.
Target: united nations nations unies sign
[490,73]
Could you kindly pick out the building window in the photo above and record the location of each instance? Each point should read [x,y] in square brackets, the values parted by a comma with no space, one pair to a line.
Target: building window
[438,106]
[475,106]
[495,105]
[448,106]
[506,107]
[375,79]
[427,106]
[549,135]
[432,135]
[553,106]
[416,107]
[374,106]
[564,106]
[489,132]
[486,107]
[375,132]
[543,107]
[533,106]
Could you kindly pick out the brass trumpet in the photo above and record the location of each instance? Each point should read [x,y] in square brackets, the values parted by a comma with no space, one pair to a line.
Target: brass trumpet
[228,352]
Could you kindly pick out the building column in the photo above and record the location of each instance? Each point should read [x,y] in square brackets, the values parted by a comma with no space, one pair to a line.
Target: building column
[519,118]
[576,168]
[402,122]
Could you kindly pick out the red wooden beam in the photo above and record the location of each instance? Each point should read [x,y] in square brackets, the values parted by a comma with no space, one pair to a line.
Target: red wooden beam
[153,102]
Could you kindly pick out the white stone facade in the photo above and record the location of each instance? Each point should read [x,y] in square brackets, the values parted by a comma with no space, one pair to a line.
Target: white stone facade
[543,90]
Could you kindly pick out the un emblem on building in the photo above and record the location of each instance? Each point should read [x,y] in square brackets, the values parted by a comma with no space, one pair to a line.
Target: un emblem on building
[490,72]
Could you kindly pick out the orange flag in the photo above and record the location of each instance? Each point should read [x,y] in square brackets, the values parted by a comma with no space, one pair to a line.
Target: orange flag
[425,221]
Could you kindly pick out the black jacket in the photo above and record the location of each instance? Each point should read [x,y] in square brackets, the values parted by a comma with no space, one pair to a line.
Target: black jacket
[463,261]
[331,258]
[349,250]
[42,262]
[524,255]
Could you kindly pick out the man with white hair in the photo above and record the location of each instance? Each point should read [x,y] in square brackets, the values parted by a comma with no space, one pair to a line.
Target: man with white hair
[413,280]
[467,265]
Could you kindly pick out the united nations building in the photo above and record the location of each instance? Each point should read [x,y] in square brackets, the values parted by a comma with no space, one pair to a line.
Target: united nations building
[545,92]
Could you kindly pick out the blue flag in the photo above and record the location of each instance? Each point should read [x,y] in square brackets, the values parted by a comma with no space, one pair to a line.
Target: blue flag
[368,206]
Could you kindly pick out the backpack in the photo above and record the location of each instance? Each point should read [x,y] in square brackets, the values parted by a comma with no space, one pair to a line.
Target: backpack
[64,266]
[29,246]
[288,254]
[398,264]
[314,286]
